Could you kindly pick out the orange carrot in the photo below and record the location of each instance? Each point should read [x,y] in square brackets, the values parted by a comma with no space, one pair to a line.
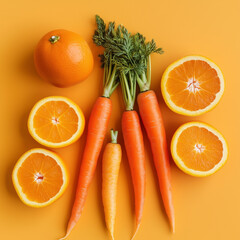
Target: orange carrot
[110,168]
[153,123]
[133,140]
[97,127]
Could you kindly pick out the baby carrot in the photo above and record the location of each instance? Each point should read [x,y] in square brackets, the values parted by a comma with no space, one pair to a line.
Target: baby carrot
[110,169]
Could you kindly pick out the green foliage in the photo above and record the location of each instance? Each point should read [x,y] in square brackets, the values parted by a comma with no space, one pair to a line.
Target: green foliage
[128,52]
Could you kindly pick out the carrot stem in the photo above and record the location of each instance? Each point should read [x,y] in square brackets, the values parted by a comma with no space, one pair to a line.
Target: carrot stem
[149,70]
[129,89]
[144,81]
[114,135]
[110,80]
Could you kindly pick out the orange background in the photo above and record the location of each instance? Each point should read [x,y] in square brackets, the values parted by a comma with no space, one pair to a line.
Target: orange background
[206,208]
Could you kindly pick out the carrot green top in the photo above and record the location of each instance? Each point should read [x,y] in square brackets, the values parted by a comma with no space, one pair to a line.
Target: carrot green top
[114,135]
[110,80]
[110,77]
[128,85]
[129,53]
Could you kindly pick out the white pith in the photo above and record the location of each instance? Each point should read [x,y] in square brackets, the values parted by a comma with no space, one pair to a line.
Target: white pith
[38,177]
[55,121]
[193,85]
[199,148]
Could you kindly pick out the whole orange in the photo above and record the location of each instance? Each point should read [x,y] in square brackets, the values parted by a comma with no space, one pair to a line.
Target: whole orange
[63,58]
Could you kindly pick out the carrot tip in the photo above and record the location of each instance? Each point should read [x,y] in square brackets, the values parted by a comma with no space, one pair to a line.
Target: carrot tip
[173,227]
[138,225]
[64,237]
[112,237]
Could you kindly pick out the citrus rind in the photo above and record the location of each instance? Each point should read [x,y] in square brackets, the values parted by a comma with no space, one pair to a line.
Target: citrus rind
[179,161]
[183,111]
[18,187]
[75,136]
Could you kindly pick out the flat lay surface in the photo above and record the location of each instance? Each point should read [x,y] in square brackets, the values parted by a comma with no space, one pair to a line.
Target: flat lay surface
[205,208]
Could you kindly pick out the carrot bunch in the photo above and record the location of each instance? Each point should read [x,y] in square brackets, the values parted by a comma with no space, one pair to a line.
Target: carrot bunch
[140,62]
[126,59]
[116,41]
[132,57]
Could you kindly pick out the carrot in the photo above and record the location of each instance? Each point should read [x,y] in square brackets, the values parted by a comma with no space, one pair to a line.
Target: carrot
[152,120]
[133,141]
[97,127]
[153,123]
[110,169]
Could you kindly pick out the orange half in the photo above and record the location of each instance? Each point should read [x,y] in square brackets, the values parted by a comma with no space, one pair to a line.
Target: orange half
[198,149]
[192,85]
[39,177]
[56,122]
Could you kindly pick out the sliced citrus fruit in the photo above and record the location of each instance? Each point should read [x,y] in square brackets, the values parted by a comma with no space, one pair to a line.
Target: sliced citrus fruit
[192,85]
[39,177]
[198,149]
[56,122]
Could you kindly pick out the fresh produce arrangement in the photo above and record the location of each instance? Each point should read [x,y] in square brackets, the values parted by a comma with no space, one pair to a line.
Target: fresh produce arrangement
[190,86]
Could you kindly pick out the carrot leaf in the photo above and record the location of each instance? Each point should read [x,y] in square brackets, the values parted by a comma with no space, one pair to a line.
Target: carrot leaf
[129,53]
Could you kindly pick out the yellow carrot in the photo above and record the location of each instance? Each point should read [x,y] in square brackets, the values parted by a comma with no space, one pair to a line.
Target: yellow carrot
[110,168]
